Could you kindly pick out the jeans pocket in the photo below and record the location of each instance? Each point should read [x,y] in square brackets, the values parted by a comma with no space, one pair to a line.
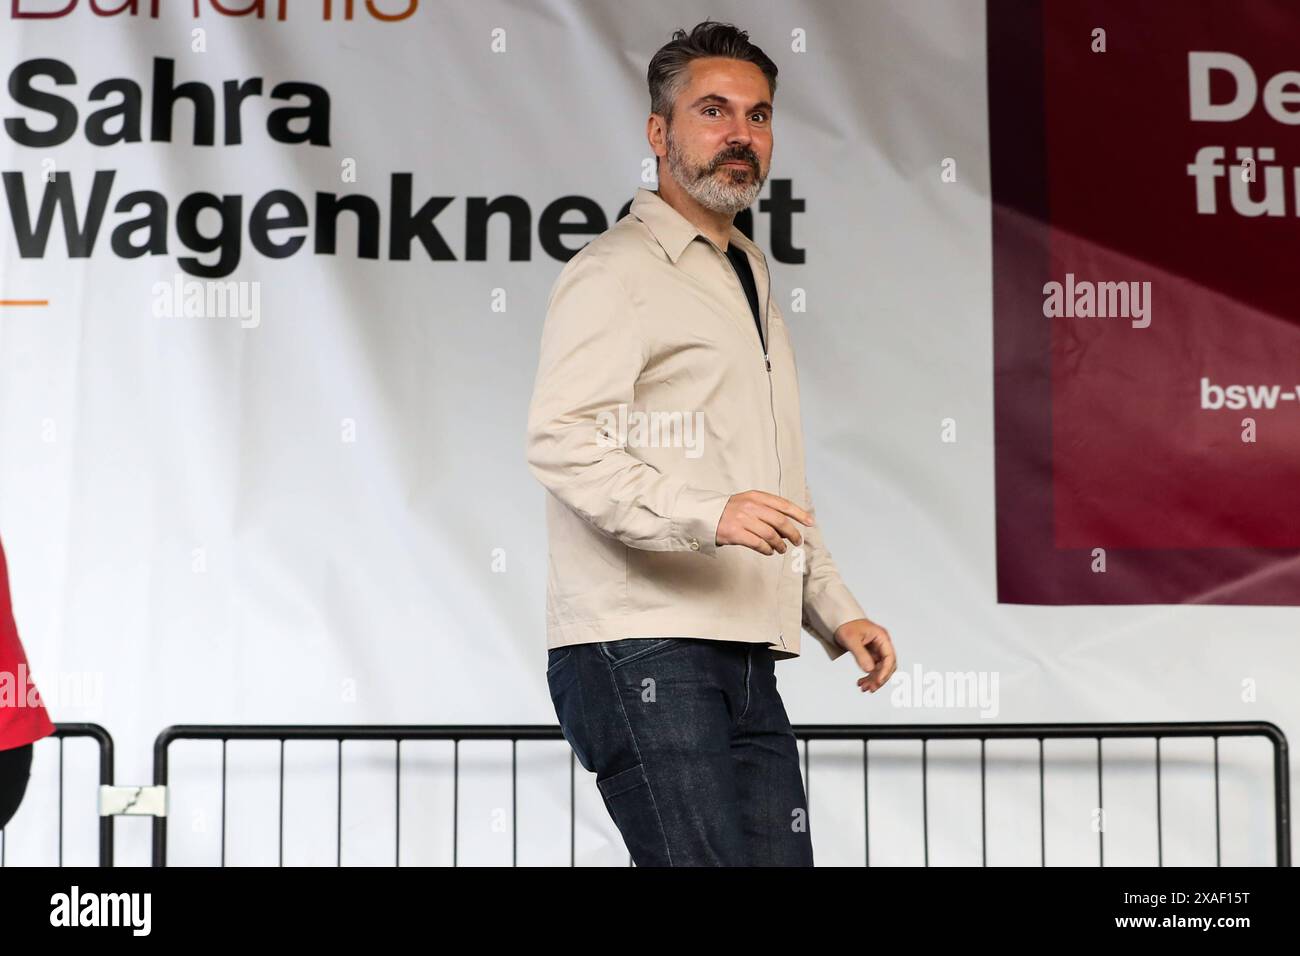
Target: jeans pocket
[634,648]
[566,696]
[622,781]
[557,656]
[631,805]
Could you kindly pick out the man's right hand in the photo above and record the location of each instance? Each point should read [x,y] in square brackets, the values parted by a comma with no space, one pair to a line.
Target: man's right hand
[761,521]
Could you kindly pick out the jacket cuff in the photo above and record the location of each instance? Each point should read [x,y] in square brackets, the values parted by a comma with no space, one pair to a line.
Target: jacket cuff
[696,514]
[825,611]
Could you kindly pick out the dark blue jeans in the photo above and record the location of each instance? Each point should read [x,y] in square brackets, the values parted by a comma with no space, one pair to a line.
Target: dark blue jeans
[691,746]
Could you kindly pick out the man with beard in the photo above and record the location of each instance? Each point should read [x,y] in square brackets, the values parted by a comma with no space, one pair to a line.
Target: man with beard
[677,581]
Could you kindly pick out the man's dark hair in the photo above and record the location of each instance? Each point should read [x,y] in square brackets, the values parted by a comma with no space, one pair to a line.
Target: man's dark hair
[667,75]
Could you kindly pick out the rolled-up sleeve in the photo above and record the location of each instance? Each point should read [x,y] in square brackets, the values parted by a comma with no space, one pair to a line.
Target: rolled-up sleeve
[591,357]
[827,601]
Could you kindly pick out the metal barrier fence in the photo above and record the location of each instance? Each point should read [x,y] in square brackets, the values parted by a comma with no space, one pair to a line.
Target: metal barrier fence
[105,741]
[808,733]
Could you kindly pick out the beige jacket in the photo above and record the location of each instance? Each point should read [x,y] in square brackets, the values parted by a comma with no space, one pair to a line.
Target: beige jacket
[654,403]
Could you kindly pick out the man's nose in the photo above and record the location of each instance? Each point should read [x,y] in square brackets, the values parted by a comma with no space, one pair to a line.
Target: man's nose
[739,132]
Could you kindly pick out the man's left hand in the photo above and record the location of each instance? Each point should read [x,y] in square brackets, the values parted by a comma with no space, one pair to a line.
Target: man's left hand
[870,645]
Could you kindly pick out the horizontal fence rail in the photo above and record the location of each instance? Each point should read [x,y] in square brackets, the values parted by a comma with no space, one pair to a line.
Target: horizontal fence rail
[105,742]
[924,733]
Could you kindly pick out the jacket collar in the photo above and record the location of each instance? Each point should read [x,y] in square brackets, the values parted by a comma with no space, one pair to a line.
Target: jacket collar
[673,231]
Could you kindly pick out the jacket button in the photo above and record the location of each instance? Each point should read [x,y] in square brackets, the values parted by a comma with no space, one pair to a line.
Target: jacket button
[695,545]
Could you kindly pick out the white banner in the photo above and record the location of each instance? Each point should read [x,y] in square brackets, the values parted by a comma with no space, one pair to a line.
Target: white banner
[262,438]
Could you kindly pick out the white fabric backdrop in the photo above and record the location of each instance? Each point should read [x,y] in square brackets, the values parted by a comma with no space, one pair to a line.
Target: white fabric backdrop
[190,533]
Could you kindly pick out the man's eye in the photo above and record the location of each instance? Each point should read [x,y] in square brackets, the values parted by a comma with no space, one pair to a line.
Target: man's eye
[762,117]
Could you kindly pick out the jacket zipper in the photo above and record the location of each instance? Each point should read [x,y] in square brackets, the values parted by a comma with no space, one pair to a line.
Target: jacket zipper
[767,361]
[771,396]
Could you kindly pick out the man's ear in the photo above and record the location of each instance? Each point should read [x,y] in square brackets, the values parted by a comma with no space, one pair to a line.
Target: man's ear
[655,132]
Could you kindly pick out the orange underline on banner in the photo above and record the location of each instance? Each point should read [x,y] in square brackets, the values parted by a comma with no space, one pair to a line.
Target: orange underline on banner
[24,301]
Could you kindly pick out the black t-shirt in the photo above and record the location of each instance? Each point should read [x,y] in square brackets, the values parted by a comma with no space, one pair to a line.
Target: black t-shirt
[741,262]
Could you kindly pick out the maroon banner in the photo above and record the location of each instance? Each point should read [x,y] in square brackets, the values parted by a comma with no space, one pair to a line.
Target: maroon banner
[1146,238]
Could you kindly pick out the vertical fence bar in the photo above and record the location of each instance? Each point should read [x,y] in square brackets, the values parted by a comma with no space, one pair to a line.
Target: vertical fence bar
[281,856]
[60,800]
[925,800]
[984,827]
[106,758]
[1101,814]
[1218,848]
[223,801]
[514,801]
[455,803]
[807,777]
[573,820]
[866,801]
[1042,809]
[1281,794]
[1160,843]
[338,809]
[397,804]
[160,768]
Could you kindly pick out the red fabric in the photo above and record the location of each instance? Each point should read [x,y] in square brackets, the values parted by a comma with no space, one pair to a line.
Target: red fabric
[20,721]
